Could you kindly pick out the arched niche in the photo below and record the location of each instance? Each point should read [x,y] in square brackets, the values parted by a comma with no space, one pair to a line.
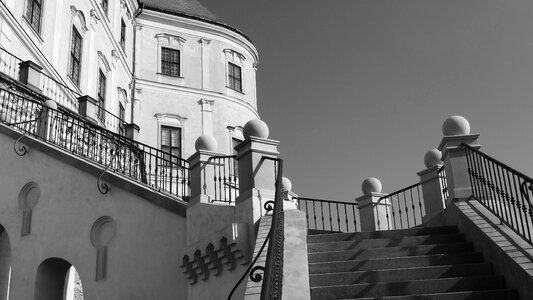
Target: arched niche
[57,279]
[5,263]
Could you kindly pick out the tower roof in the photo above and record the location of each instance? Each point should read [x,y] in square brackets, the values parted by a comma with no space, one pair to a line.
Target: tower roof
[187,7]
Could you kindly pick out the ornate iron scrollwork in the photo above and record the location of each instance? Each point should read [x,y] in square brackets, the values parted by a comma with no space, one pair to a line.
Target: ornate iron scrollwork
[269,205]
[19,148]
[257,277]
[103,188]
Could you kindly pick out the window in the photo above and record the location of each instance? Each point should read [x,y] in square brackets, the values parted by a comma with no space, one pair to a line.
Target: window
[170,62]
[75,57]
[122,116]
[105,6]
[123,34]
[234,77]
[33,14]
[101,95]
[171,142]
[234,143]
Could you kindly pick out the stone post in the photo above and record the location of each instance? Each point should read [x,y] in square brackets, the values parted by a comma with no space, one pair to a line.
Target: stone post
[30,74]
[45,119]
[257,176]
[456,130]
[372,212]
[132,131]
[288,195]
[88,107]
[431,186]
[201,175]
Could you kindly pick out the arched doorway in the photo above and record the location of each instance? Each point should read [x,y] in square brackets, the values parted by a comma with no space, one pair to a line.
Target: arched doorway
[5,263]
[57,279]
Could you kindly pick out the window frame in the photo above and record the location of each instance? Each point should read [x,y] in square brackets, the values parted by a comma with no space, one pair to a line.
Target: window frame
[167,154]
[232,79]
[171,63]
[31,4]
[123,34]
[105,7]
[101,94]
[72,57]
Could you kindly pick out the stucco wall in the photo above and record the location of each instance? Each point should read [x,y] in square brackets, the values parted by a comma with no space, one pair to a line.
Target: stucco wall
[143,258]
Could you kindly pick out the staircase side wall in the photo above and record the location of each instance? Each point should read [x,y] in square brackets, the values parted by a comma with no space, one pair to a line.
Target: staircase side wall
[510,255]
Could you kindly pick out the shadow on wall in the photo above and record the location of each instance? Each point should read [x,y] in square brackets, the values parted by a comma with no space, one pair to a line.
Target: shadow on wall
[5,263]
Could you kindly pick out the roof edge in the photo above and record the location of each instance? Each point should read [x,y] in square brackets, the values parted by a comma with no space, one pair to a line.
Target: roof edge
[198,19]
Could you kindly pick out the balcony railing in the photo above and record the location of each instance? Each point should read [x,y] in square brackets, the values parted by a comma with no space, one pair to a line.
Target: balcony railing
[147,165]
[404,208]
[225,179]
[57,91]
[328,215]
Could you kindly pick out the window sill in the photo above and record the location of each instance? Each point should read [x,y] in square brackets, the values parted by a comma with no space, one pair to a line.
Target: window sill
[35,32]
[234,90]
[169,76]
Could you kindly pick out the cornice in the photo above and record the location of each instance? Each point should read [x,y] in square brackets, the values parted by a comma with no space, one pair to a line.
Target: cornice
[200,93]
[205,27]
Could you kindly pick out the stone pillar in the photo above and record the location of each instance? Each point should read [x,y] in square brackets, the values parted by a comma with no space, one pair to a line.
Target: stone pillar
[132,131]
[431,186]
[456,130]
[256,176]
[45,119]
[201,175]
[88,107]
[30,74]
[207,116]
[372,212]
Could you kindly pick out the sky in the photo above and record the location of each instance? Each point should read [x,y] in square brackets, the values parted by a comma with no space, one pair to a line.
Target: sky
[360,88]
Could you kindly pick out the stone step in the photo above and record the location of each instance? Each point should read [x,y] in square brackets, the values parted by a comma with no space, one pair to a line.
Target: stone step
[470,295]
[395,262]
[405,288]
[387,242]
[318,238]
[396,275]
[373,253]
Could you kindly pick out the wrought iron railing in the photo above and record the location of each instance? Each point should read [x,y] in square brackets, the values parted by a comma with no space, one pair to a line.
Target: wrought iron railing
[57,91]
[403,208]
[506,192]
[328,215]
[225,178]
[443,183]
[273,268]
[145,164]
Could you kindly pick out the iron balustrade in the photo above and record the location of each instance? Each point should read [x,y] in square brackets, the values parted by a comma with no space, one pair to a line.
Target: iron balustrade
[329,215]
[504,191]
[401,208]
[443,183]
[225,179]
[145,164]
[273,268]
[57,91]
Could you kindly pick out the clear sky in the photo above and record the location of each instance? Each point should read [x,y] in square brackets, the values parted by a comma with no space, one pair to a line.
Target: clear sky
[360,88]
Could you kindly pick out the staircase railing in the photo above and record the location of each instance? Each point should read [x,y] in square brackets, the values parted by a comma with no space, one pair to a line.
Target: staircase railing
[225,178]
[145,164]
[404,208]
[328,215]
[506,192]
[443,183]
[273,269]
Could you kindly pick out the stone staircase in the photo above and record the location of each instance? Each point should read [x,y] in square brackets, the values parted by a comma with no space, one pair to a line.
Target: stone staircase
[416,263]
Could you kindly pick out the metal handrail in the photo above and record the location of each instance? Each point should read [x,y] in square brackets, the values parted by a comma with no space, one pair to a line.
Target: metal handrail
[329,215]
[225,178]
[145,164]
[504,191]
[393,212]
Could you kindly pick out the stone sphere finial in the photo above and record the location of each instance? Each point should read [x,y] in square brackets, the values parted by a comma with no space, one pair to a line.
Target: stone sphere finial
[286,184]
[50,104]
[432,158]
[206,142]
[371,185]
[455,125]
[255,128]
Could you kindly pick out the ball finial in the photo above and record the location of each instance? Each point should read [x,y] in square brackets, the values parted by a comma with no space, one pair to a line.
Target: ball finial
[286,184]
[455,125]
[50,104]
[432,158]
[255,128]
[206,142]
[371,185]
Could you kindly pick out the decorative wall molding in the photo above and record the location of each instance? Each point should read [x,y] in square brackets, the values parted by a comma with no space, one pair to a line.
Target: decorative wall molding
[102,233]
[234,55]
[78,18]
[169,39]
[104,63]
[212,261]
[28,198]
